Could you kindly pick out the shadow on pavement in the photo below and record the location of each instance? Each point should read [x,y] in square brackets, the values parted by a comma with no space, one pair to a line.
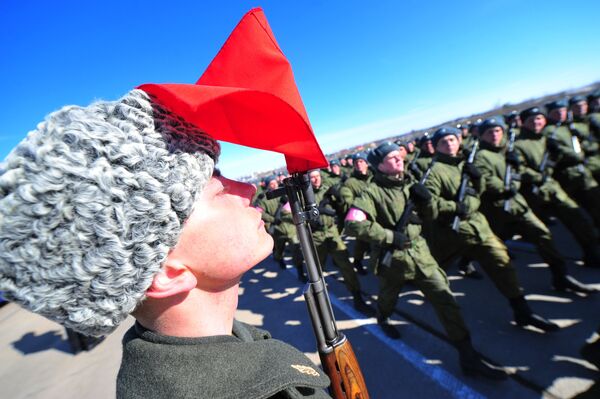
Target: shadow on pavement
[32,343]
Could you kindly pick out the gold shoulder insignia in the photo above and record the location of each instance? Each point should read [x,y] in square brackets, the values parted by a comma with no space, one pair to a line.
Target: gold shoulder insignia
[305,370]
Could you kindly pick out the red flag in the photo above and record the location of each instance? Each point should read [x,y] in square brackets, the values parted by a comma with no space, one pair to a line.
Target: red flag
[248,96]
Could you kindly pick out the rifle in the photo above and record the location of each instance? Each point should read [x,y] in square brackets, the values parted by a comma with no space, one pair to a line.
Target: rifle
[335,351]
[508,170]
[543,168]
[402,223]
[574,140]
[464,183]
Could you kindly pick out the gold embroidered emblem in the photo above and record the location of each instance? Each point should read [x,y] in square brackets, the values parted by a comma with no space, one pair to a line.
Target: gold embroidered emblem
[305,370]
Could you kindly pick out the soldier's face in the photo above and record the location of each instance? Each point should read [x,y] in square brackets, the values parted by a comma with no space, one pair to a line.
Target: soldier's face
[224,236]
[335,169]
[392,164]
[580,108]
[349,161]
[315,178]
[535,123]
[403,152]
[493,136]
[558,114]
[273,184]
[448,145]
[410,146]
[361,165]
[428,147]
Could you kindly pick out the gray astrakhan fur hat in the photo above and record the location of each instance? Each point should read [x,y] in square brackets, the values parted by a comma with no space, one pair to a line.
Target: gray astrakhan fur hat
[91,202]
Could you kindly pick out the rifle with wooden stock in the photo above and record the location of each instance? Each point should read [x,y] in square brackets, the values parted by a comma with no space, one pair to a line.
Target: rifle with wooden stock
[464,183]
[336,353]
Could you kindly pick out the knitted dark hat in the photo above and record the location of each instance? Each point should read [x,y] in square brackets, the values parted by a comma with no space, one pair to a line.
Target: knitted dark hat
[491,122]
[443,132]
[562,103]
[376,156]
[576,99]
[532,111]
[360,155]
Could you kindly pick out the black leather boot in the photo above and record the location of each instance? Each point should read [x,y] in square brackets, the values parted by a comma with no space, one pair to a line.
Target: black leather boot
[472,364]
[525,317]
[361,305]
[466,268]
[569,283]
[388,329]
[591,256]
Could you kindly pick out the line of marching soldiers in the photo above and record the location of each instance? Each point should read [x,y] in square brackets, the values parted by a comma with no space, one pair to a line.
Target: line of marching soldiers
[458,195]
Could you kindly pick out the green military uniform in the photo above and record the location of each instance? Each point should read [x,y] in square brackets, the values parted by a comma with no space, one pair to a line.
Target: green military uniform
[420,165]
[474,237]
[280,224]
[259,194]
[519,219]
[246,364]
[571,172]
[589,144]
[328,241]
[352,188]
[383,201]
[547,197]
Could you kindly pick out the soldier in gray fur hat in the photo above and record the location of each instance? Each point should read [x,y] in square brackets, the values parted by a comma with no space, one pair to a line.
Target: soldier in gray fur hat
[117,209]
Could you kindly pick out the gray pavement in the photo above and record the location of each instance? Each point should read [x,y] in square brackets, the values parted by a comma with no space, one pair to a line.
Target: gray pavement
[36,361]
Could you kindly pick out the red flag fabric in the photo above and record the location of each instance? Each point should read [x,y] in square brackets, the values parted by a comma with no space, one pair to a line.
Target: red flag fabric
[248,96]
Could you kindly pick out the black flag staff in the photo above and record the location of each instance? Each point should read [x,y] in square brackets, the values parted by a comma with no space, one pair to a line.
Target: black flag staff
[335,351]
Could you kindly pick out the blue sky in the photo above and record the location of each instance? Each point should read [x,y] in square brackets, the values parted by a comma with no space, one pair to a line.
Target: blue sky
[364,70]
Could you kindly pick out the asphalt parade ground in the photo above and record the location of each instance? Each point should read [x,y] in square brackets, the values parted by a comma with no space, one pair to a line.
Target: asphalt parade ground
[36,359]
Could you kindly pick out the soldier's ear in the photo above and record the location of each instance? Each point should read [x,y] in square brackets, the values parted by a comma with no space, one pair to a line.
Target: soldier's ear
[173,278]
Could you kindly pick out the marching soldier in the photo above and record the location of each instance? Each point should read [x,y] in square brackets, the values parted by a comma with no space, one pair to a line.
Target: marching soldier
[570,171]
[544,194]
[594,113]
[473,235]
[352,188]
[420,165]
[374,216]
[328,241]
[580,128]
[508,212]
[334,174]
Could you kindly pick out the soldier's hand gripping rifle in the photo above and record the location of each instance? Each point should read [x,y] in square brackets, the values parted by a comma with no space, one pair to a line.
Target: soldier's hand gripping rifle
[409,207]
[335,351]
[508,171]
[464,183]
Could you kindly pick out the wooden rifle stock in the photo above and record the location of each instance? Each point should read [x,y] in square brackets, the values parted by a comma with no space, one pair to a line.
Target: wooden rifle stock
[335,351]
